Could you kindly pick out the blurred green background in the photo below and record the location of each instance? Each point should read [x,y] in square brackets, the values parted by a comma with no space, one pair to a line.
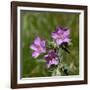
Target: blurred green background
[42,24]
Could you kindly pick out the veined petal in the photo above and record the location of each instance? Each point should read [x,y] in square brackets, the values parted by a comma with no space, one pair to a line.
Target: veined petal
[35,54]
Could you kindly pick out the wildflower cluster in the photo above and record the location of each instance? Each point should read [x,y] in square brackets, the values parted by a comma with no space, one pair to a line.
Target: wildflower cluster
[53,56]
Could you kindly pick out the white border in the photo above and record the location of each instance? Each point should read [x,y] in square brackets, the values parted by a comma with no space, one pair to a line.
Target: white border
[81,49]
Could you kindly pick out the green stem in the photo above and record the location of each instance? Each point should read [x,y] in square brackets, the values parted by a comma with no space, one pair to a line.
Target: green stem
[60,65]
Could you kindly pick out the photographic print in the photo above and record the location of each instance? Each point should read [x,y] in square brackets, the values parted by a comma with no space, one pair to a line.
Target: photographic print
[49,44]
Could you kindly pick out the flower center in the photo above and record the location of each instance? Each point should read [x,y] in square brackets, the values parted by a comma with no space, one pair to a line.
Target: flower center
[60,36]
[39,48]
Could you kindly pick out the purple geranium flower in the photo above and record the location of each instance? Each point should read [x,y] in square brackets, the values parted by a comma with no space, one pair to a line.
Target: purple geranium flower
[51,58]
[61,35]
[38,47]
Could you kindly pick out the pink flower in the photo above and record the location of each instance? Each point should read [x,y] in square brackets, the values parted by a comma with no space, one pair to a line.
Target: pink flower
[61,35]
[38,47]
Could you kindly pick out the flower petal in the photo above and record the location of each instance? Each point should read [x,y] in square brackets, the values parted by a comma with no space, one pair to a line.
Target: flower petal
[52,62]
[60,30]
[66,40]
[49,63]
[66,33]
[46,57]
[37,41]
[59,41]
[35,54]
[43,43]
[43,51]
[33,47]
[54,35]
